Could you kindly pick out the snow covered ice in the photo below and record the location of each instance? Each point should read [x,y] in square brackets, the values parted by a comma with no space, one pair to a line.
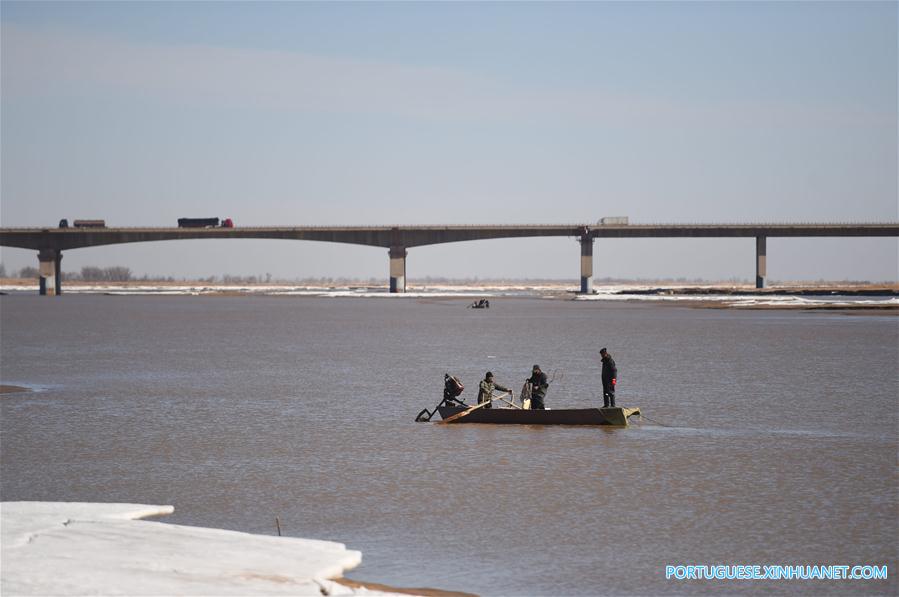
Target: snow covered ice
[61,548]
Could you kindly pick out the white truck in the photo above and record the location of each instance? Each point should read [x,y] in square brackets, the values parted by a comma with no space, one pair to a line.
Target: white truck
[613,221]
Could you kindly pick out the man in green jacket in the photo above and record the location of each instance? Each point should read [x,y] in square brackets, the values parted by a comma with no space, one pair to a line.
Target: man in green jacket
[486,387]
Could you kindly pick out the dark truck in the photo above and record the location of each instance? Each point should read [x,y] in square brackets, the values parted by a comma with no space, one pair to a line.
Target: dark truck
[204,223]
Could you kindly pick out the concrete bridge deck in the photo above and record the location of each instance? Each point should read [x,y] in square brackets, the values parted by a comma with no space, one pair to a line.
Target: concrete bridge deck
[51,242]
[415,236]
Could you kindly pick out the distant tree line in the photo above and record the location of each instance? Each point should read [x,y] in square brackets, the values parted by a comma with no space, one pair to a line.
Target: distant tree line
[120,273]
[229,279]
[116,273]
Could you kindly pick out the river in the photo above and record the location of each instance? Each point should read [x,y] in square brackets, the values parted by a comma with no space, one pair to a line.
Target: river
[772,440]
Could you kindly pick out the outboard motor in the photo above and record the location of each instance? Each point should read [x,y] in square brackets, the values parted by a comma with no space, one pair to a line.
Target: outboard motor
[452,388]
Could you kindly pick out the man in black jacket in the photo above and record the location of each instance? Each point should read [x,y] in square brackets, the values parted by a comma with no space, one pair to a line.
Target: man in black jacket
[539,385]
[609,378]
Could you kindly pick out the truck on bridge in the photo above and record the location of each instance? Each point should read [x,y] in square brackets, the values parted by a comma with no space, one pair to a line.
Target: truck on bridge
[64,223]
[204,223]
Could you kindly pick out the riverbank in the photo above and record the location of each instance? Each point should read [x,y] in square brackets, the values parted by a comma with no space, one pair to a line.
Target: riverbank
[7,389]
[63,548]
[883,298]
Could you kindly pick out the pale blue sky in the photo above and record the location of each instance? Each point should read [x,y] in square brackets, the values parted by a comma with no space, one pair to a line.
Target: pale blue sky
[406,113]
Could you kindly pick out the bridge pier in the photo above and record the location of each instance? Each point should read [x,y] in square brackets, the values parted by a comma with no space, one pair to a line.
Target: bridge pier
[49,272]
[398,268]
[586,264]
[761,258]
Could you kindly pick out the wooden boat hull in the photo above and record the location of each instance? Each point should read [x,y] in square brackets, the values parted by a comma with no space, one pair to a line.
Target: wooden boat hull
[568,416]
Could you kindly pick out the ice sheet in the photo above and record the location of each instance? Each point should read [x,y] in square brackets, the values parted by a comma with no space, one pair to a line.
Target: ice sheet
[61,548]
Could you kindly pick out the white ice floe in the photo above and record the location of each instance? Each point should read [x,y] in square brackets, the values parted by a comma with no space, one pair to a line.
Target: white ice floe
[739,300]
[61,548]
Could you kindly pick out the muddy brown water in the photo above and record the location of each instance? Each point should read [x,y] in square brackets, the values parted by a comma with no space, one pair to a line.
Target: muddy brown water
[779,445]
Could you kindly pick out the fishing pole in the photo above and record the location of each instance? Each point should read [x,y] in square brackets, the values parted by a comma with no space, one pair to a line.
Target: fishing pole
[651,420]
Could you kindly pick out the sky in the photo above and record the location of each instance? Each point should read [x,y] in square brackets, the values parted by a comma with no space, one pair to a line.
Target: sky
[299,113]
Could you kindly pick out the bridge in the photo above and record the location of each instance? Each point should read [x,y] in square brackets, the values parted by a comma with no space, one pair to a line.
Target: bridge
[51,242]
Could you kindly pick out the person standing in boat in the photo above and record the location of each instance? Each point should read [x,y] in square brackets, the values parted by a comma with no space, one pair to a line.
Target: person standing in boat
[539,385]
[485,391]
[609,378]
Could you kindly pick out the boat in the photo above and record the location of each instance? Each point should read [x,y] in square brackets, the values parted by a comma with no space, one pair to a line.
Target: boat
[617,416]
[452,409]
